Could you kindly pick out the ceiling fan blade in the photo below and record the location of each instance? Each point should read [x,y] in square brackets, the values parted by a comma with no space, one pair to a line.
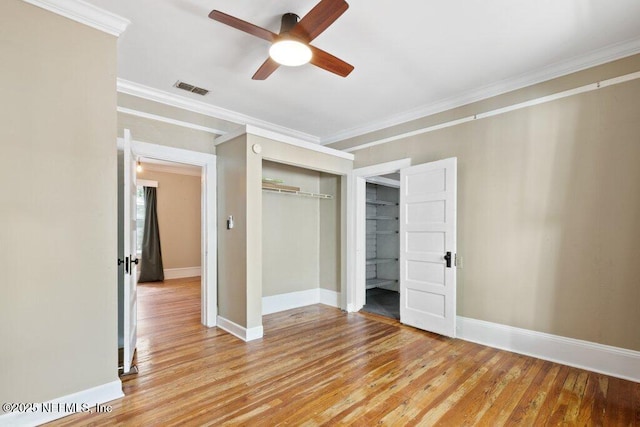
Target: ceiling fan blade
[328,62]
[319,18]
[265,70]
[241,25]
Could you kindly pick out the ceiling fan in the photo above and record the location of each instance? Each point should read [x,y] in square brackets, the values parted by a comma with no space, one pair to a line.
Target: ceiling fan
[291,47]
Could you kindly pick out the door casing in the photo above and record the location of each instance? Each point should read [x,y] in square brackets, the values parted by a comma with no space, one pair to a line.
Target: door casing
[356,235]
[209,292]
[356,232]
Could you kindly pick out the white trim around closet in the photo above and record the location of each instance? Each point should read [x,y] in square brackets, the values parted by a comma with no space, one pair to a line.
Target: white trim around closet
[356,225]
[245,334]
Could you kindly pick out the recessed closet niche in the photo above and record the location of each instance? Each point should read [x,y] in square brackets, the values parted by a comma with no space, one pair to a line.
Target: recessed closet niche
[382,250]
[300,232]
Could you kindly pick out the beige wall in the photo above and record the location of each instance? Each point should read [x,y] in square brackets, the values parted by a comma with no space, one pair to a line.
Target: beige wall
[232,244]
[58,205]
[254,236]
[290,232]
[548,208]
[330,233]
[161,133]
[178,217]
[135,103]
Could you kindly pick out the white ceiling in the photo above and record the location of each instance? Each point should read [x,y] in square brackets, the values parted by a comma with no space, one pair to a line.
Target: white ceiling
[411,57]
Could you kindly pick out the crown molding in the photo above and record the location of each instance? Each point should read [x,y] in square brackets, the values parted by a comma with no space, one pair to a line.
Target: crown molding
[152,94]
[85,13]
[594,58]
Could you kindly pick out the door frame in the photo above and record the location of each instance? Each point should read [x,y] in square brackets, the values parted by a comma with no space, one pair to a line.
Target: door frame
[208,283]
[356,225]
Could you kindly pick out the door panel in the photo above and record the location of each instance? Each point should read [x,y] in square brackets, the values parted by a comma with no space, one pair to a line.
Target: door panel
[425,241]
[425,271]
[130,251]
[427,233]
[426,212]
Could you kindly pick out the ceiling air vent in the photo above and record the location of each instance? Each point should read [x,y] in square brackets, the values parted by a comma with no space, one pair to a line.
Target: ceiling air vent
[191,88]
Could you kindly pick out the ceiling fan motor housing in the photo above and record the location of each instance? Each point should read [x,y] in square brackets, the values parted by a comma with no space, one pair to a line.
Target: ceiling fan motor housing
[289,20]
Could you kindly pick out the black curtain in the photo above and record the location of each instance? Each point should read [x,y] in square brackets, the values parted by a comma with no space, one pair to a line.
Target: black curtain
[151,269]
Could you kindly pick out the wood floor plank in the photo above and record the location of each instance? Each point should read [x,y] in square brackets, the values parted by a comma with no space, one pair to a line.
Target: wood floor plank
[620,407]
[503,406]
[586,411]
[319,366]
[477,401]
[636,397]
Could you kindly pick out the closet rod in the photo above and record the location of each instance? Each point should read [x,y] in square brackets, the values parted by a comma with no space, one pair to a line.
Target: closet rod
[298,193]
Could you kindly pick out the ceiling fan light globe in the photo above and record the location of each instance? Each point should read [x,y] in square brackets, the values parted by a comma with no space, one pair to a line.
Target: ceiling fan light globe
[291,53]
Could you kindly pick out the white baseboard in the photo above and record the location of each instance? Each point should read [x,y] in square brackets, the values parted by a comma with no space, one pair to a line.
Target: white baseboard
[179,273]
[240,331]
[352,308]
[614,361]
[282,302]
[277,303]
[82,401]
[330,298]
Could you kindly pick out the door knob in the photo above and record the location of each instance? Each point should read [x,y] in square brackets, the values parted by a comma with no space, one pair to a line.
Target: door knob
[447,258]
[131,262]
[128,260]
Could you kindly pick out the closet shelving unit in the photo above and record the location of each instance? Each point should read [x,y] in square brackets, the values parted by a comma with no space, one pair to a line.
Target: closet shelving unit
[382,237]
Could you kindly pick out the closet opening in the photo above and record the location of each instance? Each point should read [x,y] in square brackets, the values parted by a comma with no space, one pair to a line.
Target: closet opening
[301,237]
[423,265]
[382,245]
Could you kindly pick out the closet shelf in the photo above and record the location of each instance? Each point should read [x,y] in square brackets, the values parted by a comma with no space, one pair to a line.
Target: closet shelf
[374,283]
[381,203]
[372,261]
[384,217]
[298,193]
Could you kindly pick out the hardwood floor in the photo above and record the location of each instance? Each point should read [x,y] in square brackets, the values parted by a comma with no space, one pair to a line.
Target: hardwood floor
[319,366]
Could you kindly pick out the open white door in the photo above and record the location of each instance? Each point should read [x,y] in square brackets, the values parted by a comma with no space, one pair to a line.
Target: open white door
[428,246]
[130,260]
